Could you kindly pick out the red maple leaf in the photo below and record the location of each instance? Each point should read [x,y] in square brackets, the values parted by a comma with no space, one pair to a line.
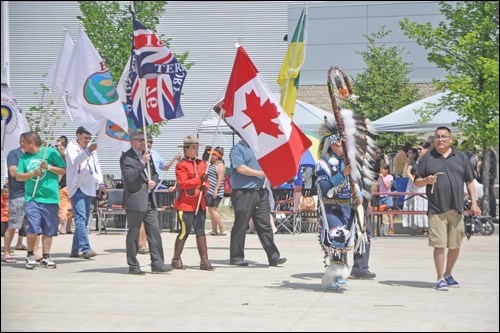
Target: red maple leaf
[262,116]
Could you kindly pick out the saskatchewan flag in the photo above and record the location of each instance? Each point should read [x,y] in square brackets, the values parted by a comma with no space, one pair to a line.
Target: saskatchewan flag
[289,75]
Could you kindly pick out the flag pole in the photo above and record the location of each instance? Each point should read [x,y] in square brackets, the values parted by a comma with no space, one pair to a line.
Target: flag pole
[4,121]
[58,105]
[143,110]
[56,74]
[143,101]
[51,131]
[221,116]
[210,157]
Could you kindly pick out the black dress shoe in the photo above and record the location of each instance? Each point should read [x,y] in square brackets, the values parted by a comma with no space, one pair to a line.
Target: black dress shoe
[277,262]
[160,270]
[136,271]
[238,262]
[365,276]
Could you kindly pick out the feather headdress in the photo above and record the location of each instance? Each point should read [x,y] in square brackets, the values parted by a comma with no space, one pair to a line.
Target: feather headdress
[328,133]
[353,129]
[358,143]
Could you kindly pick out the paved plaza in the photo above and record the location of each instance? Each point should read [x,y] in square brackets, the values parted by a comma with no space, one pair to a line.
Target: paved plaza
[99,295]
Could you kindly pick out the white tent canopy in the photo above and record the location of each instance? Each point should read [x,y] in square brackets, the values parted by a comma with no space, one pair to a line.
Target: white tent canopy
[407,119]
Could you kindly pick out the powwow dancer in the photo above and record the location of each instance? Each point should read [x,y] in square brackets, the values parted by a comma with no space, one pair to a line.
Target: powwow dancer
[344,149]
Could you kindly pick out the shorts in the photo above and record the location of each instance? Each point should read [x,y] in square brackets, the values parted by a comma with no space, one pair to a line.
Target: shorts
[42,218]
[386,201]
[16,213]
[446,230]
[211,202]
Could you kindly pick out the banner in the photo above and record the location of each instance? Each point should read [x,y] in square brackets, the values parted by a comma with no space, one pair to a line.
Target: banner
[56,77]
[163,77]
[289,75]
[252,110]
[112,135]
[13,121]
[91,96]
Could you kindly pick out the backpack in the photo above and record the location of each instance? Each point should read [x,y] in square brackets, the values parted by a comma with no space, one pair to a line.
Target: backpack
[227,182]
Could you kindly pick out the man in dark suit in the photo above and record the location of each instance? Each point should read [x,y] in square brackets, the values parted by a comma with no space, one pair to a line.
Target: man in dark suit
[139,202]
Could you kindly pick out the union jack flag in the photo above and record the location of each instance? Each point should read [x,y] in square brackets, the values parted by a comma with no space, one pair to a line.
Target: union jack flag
[164,77]
[161,102]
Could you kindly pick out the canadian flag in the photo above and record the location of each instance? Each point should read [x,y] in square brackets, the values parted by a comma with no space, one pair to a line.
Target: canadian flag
[251,109]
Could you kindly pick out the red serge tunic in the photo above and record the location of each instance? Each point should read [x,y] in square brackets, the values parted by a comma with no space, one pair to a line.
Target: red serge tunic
[188,173]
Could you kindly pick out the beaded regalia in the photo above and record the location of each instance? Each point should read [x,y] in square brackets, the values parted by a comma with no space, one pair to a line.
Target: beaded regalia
[342,226]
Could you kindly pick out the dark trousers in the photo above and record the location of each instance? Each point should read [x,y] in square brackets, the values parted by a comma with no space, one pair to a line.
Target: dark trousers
[189,220]
[492,199]
[360,265]
[252,204]
[152,226]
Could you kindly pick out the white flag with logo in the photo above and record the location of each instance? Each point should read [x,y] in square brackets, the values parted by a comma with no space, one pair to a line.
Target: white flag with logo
[56,77]
[13,120]
[91,95]
[112,135]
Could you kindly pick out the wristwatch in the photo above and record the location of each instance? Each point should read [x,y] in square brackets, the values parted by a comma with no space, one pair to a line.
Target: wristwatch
[49,167]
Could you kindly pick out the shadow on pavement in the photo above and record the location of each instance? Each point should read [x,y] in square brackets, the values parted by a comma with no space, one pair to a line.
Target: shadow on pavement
[314,286]
[413,284]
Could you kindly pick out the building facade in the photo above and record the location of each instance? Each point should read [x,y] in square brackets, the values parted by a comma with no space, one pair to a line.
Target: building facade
[32,33]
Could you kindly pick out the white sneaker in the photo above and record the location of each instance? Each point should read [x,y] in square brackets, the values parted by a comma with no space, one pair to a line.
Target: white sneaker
[30,262]
[48,263]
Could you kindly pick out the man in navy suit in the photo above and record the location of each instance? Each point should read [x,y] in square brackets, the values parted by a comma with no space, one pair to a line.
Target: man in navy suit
[139,179]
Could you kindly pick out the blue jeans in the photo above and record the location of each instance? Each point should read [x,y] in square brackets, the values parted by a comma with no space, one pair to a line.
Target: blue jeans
[81,212]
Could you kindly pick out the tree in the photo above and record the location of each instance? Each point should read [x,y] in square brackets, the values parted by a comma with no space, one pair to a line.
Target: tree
[109,26]
[43,117]
[384,86]
[466,46]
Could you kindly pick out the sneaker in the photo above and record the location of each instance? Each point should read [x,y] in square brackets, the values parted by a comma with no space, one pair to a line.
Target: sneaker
[90,254]
[452,283]
[47,263]
[441,285]
[30,262]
